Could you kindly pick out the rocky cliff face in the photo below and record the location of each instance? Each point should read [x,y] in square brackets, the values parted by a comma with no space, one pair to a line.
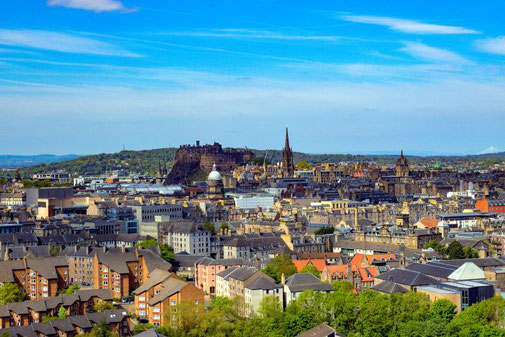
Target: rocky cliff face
[189,159]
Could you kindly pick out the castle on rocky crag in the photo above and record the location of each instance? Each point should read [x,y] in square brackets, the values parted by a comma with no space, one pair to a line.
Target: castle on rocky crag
[190,159]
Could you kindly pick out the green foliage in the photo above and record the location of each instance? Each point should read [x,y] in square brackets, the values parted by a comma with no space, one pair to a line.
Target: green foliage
[101,330]
[37,183]
[62,313]
[11,292]
[303,165]
[103,305]
[325,230]
[443,310]
[147,243]
[72,289]
[49,318]
[167,253]
[369,314]
[210,227]
[281,264]
[309,268]
[141,327]
[3,181]
[55,251]
[454,250]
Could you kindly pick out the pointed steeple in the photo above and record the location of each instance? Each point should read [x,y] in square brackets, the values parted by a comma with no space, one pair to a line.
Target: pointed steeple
[286,145]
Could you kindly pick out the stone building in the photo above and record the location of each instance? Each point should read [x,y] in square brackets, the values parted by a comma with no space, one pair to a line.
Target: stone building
[215,187]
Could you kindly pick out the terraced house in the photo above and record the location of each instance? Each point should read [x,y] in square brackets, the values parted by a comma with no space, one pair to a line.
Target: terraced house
[39,277]
[30,312]
[117,321]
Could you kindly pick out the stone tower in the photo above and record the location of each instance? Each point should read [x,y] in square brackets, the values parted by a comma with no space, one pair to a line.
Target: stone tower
[402,166]
[288,164]
[215,187]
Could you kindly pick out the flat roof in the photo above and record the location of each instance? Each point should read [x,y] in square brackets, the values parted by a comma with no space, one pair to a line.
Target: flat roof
[438,290]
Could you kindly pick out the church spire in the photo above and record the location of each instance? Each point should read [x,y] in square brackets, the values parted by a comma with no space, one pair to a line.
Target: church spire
[286,145]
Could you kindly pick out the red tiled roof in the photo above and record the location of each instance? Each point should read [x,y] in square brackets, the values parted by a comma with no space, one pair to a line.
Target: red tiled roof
[379,257]
[318,263]
[429,223]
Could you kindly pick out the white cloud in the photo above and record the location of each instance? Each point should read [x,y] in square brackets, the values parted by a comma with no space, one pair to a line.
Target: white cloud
[492,45]
[432,54]
[256,34]
[408,26]
[55,41]
[92,5]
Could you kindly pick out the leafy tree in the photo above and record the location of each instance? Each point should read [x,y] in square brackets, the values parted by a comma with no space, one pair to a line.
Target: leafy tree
[281,264]
[147,243]
[437,246]
[141,327]
[49,318]
[103,305]
[101,330]
[325,230]
[3,181]
[344,286]
[309,268]
[11,292]
[72,289]
[455,250]
[210,227]
[443,310]
[470,252]
[167,253]
[303,165]
[62,313]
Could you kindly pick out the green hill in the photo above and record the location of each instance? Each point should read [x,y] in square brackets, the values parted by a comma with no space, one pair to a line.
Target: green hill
[146,161]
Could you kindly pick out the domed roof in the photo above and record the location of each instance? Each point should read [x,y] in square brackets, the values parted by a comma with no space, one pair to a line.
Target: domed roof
[214,175]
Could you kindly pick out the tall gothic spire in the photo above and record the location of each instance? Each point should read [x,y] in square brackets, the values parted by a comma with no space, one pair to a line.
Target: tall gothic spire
[286,145]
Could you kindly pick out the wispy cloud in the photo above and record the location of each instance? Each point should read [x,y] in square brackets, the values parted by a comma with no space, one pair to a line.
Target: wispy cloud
[233,33]
[93,5]
[492,45]
[60,42]
[408,26]
[438,55]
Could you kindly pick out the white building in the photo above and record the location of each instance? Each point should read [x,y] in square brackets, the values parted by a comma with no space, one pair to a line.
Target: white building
[252,202]
[188,237]
[257,290]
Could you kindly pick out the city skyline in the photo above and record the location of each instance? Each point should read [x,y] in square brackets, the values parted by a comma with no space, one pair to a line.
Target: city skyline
[87,77]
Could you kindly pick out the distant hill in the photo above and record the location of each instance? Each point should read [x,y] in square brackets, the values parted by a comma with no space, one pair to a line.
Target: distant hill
[13,161]
[146,161]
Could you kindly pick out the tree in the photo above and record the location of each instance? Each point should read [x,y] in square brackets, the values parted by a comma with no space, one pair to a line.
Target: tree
[281,264]
[167,253]
[210,227]
[309,268]
[55,251]
[470,252]
[70,290]
[455,251]
[141,327]
[62,313]
[443,310]
[224,226]
[103,305]
[11,292]
[303,165]
[147,243]
[325,230]
[101,330]
[437,246]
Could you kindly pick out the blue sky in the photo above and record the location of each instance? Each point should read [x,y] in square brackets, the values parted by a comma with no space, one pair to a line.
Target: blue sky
[87,76]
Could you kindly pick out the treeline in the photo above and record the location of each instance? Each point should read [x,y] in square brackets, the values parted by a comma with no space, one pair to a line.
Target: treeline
[369,314]
[146,161]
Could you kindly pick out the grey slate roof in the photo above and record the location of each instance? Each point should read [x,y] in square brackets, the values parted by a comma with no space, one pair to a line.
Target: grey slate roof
[241,273]
[407,277]
[149,333]
[303,281]
[389,287]
[436,269]
[263,283]
[67,324]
